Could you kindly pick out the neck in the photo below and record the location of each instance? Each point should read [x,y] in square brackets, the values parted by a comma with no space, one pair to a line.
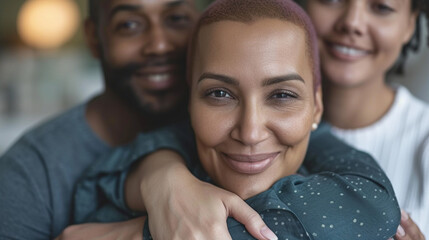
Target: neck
[357,106]
[116,123]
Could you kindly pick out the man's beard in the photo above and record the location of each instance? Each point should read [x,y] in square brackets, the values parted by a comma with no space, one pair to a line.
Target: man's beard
[119,81]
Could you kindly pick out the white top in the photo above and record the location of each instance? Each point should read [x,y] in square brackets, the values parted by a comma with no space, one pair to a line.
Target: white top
[400,143]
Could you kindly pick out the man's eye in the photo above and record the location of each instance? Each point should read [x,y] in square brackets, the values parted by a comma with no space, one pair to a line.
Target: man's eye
[129,26]
[178,20]
[330,1]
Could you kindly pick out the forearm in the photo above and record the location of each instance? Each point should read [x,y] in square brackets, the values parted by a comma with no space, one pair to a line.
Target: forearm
[158,167]
[179,204]
[132,229]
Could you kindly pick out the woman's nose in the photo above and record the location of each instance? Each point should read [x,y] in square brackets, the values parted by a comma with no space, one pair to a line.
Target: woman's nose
[353,18]
[251,126]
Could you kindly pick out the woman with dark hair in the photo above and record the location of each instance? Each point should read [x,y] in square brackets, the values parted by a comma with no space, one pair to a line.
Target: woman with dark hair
[360,41]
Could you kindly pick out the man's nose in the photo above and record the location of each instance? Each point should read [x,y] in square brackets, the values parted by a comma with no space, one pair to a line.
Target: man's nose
[157,42]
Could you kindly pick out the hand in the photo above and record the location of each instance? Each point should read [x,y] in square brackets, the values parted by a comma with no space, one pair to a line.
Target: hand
[408,230]
[132,229]
[180,206]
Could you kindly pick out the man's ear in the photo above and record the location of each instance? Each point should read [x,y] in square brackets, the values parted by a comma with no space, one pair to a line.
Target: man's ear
[318,105]
[92,38]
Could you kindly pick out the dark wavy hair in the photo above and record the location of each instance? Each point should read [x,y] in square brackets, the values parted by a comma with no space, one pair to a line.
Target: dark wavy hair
[421,6]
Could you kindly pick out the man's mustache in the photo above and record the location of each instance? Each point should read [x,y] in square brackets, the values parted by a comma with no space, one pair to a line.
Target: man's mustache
[131,68]
[160,61]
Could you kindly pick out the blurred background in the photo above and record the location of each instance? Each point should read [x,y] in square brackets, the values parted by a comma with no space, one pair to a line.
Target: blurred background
[39,76]
[42,76]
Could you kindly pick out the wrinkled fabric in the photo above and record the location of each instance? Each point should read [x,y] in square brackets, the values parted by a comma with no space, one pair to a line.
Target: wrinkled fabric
[350,197]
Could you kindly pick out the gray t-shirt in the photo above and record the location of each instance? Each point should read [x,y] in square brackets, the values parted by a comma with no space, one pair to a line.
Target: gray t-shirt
[39,172]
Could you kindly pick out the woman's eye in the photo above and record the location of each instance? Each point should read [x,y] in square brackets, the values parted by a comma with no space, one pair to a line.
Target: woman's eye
[219,94]
[382,8]
[283,95]
[217,97]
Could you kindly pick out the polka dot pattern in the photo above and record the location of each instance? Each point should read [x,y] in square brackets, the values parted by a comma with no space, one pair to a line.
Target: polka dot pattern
[349,199]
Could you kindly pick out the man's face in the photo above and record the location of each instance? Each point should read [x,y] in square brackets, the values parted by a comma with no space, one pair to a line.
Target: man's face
[142,47]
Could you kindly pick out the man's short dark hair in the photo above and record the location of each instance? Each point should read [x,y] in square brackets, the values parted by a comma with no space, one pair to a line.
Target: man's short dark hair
[93,9]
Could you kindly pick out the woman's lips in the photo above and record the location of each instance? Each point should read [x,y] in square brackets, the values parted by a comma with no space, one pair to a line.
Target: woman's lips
[346,52]
[249,164]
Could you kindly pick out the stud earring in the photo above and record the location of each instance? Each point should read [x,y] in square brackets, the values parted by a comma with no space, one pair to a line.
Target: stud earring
[314,126]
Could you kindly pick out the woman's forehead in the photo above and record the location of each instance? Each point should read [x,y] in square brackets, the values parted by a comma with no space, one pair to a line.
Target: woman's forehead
[271,45]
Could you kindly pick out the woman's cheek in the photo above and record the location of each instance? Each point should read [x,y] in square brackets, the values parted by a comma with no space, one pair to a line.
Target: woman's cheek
[293,128]
[211,125]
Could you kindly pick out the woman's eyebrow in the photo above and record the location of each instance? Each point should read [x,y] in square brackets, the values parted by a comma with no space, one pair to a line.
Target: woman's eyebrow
[279,79]
[219,77]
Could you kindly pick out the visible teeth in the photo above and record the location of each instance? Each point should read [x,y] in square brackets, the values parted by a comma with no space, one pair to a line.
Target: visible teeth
[157,78]
[349,51]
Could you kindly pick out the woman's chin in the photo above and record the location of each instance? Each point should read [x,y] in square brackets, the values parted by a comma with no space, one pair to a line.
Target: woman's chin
[249,186]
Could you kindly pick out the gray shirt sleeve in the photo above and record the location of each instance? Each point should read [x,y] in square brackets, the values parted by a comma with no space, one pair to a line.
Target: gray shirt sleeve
[39,172]
[99,195]
[24,209]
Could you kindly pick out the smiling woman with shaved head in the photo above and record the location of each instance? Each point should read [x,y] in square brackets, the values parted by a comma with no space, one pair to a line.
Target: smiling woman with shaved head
[255,98]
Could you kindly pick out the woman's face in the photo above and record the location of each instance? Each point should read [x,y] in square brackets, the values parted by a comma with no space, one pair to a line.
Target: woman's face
[252,102]
[360,40]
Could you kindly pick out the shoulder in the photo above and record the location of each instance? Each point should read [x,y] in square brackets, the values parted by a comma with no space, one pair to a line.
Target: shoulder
[63,123]
[323,144]
[32,154]
[43,149]
[414,107]
[38,173]
[48,130]
[414,116]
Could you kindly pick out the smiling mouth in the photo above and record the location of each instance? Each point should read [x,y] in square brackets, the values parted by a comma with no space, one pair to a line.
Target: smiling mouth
[159,80]
[346,52]
[250,164]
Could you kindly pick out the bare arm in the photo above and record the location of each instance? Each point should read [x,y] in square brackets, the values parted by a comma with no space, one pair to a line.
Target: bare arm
[131,229]
[191,209]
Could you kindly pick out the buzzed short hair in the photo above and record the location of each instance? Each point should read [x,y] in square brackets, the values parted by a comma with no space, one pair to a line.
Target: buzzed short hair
[248,11]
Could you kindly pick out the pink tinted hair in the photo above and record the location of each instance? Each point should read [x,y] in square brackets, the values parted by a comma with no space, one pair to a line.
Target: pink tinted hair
[248,11]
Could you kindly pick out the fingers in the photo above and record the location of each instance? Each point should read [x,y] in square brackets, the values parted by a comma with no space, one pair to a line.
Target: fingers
[253,222]
[408,230]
